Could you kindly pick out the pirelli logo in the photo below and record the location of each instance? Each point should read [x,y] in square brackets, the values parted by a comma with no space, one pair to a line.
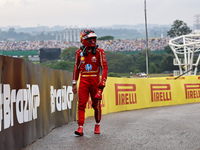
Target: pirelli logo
[125,94]
[192,91]
[160,92]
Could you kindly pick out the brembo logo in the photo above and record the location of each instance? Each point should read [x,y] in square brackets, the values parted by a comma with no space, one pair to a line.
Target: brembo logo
[192,91]
[160,92]
[125,94]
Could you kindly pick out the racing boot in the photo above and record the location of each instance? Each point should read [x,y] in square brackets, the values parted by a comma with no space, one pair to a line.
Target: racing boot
[79,131]
[97,129]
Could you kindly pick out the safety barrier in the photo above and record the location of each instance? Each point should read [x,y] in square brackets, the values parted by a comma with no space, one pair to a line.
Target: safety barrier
[33,101]
[122,94]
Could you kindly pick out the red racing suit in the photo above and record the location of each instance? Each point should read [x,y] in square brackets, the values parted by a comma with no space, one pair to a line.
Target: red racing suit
[89,67]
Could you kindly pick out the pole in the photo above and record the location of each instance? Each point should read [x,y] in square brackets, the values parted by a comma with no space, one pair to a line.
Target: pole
[147,70]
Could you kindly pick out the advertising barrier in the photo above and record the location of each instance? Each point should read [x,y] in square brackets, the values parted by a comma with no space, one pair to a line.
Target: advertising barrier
[122,94]
[33,101]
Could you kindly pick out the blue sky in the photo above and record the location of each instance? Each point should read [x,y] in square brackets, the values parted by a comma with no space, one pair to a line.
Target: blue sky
[94,13]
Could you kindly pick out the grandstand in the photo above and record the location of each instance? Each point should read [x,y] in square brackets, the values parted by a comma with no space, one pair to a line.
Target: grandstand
[155,44]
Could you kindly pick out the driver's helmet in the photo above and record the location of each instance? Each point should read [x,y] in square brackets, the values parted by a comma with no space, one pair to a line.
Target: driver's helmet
[88,38]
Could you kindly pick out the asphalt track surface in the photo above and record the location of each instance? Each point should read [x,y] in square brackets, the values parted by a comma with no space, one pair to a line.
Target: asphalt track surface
[162,128]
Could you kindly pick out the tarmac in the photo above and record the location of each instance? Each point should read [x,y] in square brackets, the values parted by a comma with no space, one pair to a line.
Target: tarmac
[161,128]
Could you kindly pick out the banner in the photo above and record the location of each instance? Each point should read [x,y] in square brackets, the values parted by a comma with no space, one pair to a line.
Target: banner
[33,101]
[122,94]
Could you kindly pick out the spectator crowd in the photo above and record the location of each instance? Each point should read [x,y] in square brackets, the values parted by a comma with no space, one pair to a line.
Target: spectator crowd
[107,45]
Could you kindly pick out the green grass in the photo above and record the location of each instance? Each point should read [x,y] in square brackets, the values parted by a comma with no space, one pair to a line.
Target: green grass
[160,75]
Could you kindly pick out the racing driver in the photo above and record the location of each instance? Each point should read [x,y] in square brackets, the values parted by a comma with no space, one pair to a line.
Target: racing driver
[89,61]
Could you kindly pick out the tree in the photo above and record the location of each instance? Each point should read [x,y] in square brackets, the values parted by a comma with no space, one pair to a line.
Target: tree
[61,65]
[153,68]
[179,28]
[69,54]
[168,50]
[64,65]
[167,63]
[106,38]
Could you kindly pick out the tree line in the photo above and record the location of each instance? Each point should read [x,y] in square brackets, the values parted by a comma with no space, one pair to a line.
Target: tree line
[119,63]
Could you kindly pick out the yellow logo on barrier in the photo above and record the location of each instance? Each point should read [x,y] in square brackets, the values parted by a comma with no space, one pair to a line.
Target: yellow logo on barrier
[192,91]
[160,92]
[125,94]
